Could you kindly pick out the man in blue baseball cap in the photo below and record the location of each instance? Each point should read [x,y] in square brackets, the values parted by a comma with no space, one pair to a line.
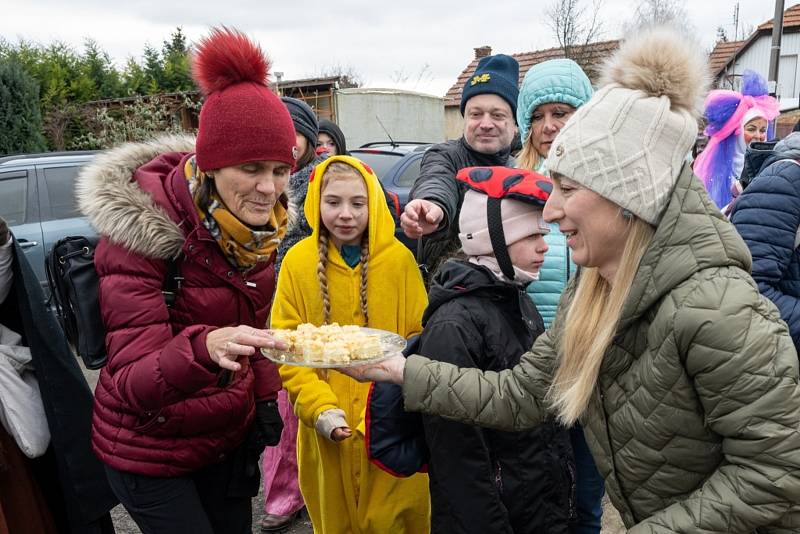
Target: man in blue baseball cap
[489,107]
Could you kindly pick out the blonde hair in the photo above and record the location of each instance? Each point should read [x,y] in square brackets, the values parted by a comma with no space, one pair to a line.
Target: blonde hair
[340,170]
[529,157]
[591,325]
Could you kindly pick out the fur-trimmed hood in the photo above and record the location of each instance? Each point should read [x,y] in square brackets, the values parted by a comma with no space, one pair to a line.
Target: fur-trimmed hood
[118,208]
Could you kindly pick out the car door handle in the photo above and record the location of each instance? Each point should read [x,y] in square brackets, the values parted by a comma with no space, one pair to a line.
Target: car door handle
[24,243]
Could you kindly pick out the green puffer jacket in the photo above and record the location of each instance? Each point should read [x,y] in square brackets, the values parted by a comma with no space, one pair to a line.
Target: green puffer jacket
[695,424]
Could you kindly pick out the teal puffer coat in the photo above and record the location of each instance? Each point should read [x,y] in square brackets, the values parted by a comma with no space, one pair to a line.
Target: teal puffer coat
[695,423]
[553,276]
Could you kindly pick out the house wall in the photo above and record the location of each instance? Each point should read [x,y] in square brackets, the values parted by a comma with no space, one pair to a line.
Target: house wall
[756,58]
[453,122]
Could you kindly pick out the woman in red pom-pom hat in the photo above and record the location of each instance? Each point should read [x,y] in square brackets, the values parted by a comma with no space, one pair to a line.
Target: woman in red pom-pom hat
[186,403]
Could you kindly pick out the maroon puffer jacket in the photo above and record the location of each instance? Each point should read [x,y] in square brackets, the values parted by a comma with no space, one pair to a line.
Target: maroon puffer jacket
[158,409]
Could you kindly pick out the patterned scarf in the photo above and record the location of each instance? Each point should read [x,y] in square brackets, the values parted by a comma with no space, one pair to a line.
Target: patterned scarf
[243,246]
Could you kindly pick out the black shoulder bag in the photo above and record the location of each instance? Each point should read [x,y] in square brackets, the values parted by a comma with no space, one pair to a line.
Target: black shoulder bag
[74,291]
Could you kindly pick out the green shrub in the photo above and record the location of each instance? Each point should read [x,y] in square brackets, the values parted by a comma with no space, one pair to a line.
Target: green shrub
[20,119]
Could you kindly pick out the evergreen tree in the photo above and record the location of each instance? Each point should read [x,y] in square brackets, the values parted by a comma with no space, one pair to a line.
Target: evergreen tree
[97,67]
[66,80]
[134,78]
[153,69]
[20,118]
[177,71]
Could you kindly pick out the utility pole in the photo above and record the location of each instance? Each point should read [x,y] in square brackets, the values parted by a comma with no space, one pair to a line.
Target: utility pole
[735,38]
[775,51]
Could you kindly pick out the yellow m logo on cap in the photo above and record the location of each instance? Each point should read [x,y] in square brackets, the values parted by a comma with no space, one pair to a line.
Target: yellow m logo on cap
[480,78]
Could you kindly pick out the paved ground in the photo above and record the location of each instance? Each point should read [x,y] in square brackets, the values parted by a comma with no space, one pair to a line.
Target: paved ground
[124,525]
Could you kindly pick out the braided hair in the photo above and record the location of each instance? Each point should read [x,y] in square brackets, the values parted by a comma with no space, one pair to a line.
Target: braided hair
[338,169]
[322,274]
[364,265]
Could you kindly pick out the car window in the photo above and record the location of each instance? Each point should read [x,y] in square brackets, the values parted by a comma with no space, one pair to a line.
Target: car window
[13,197]
[60,182]
[381,163]
[409,174]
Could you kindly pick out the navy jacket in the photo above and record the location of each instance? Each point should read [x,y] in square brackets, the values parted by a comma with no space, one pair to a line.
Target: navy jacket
[767,215]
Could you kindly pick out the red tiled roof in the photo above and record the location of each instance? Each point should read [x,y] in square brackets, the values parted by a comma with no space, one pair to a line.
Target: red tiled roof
[791,19]
[590,55]
[722,54]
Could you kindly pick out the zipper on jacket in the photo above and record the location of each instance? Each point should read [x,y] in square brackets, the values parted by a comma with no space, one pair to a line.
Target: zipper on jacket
[573,488]
[498,477]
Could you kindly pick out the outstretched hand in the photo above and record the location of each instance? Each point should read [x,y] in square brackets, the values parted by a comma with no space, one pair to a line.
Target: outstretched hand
[420,217]
[389,370]
[226,345]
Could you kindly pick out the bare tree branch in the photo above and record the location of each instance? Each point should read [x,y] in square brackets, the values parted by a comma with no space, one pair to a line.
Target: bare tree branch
[349,76]
[400,76]
[593,28]
[659,12]
[748,29]
[571,25]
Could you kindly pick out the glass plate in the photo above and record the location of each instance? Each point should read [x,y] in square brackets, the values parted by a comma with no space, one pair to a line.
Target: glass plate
[391,343]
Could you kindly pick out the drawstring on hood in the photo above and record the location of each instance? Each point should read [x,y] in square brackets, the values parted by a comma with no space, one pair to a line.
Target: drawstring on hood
[522,278]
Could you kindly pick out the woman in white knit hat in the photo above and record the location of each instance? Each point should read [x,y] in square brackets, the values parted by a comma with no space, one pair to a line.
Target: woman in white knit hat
[684,377]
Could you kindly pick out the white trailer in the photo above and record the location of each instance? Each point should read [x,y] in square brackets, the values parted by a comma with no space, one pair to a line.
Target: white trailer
[370,115]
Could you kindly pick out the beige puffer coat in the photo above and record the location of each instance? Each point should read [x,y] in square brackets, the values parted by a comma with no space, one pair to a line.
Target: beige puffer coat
[695,424]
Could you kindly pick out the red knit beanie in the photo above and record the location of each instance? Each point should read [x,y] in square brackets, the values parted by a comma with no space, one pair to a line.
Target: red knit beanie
[241,119]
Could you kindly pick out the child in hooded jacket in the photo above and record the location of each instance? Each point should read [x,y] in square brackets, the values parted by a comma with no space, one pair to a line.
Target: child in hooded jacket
[483,480]
[351,270]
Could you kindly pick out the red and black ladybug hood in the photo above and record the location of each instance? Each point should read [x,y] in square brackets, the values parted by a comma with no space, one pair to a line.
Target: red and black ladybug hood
[504,182]
[499,185]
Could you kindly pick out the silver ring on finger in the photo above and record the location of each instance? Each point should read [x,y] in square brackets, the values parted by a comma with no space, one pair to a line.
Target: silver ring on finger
[227,347]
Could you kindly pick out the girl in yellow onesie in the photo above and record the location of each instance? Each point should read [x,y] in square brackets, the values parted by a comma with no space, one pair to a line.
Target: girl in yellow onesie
[351,270]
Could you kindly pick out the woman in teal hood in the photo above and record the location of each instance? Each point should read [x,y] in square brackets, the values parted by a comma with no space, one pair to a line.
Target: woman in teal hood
[550,94]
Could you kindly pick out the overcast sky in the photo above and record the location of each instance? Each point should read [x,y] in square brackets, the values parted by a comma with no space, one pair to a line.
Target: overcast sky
[427,42]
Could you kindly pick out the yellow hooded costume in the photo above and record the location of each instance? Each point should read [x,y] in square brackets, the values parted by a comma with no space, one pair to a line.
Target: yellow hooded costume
[343,491]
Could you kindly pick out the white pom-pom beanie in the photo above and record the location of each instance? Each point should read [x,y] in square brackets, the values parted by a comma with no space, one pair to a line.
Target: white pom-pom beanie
[630,141]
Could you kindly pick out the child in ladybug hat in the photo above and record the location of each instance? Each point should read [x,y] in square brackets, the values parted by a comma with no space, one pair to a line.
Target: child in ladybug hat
[478,315]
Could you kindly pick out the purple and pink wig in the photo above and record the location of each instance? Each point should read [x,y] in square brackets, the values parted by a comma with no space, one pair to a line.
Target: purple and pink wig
[719,165]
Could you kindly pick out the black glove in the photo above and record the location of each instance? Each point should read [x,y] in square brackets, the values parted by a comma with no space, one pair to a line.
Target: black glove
[4,232]
[267,426]
[264,432]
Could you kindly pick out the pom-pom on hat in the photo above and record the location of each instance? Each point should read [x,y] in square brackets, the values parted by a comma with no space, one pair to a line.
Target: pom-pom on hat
[501,207]
[241,120]
[629,142]
[499,75]
[555,81]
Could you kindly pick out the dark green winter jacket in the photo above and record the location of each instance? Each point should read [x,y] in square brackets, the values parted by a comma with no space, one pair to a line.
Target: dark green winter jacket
[695,423]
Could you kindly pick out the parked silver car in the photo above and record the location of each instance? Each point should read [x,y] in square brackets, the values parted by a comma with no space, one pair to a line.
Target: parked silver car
[37,199]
